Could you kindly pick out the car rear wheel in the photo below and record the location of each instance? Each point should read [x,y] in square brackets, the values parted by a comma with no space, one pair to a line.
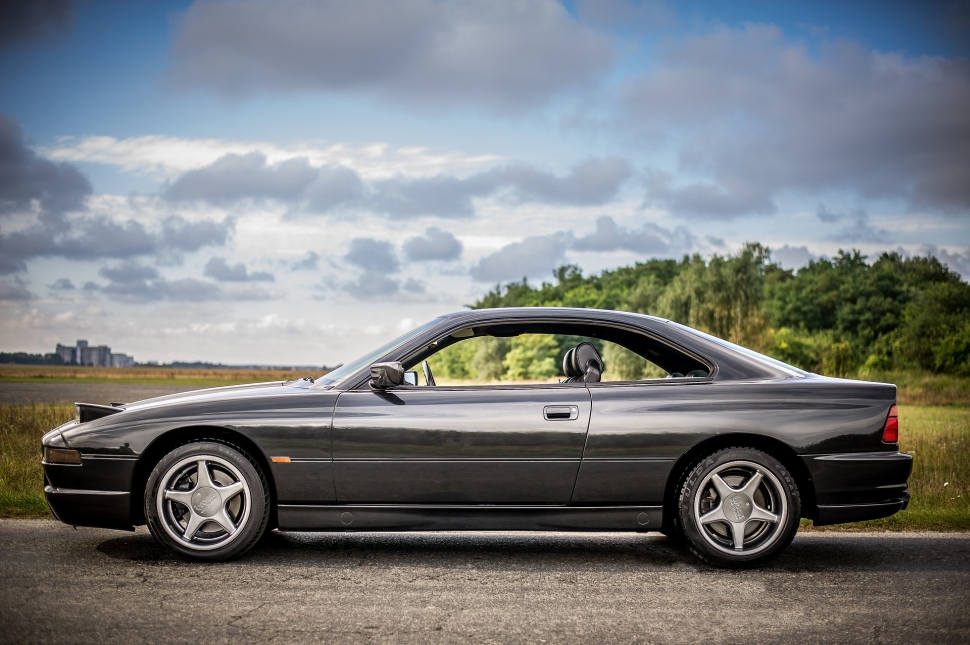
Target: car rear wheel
[739,507]
[207,501]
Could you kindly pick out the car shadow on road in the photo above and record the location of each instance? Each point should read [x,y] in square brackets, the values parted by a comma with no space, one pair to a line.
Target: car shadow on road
[553,551]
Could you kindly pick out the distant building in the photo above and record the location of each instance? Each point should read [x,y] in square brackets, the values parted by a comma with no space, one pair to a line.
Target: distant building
[122,360]
[98,356]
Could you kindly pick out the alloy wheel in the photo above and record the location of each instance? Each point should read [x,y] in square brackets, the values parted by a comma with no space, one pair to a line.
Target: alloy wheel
[203,502]
[740,508]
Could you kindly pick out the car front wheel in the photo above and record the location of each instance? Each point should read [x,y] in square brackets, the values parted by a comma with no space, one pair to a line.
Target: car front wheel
[207,501]
[739,507]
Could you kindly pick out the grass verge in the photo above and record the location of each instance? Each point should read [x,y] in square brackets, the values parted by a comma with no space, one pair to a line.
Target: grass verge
[21,477]
[937,437]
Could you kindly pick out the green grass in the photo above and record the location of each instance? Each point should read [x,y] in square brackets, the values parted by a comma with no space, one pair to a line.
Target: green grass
[937,437]
[21,477]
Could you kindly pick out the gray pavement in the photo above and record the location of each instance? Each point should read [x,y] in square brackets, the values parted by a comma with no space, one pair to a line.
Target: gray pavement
[104,393]
[59,585]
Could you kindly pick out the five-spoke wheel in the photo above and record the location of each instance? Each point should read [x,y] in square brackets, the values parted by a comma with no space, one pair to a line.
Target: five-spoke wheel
[206,501]
[739,507]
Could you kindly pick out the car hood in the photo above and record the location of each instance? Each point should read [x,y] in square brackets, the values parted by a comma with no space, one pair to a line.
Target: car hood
[212,394]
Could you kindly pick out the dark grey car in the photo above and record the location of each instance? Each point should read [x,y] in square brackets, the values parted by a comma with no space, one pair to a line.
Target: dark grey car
[712,443]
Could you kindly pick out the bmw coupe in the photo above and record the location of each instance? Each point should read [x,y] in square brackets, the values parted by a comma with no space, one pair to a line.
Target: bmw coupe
[648,426]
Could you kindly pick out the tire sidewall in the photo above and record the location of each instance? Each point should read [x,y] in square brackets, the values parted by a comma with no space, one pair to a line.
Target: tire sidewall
[691,530]
[259,501]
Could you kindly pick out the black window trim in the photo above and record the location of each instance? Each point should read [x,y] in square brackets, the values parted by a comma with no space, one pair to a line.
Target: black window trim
[418,344]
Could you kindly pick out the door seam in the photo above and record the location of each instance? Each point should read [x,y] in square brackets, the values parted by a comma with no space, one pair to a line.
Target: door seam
[589,423]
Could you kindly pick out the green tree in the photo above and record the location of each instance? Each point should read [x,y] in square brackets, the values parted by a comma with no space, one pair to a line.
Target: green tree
[531,357]
[488,362]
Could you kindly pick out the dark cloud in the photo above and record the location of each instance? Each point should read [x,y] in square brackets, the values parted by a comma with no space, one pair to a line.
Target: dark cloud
[181,235]
[371,284]
[183,290]
[626,15]
[856,227]
[826,215]
[133,282]
[439,196]
[372,255]
[218,269]
[308,262]
[411,285]
[62,284]
[12,291]
[232,178]
[531,257]
[26,177]
[792,257]
[649,238]
[128,272]
[435,244]
[729,198]
[755,117]
[335,186]
[592,181]
[505,56]
[378,260]
[956,261]
[537,256]
[98,237]
[34,20]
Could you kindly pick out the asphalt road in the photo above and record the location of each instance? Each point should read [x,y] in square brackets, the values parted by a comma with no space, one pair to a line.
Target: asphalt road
[58,585]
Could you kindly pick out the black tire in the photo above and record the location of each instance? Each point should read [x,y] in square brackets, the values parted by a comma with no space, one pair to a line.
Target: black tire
[748,488]
[226,506]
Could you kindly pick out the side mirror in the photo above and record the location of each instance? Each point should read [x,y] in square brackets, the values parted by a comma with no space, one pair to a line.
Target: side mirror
[411,377]
[384,376]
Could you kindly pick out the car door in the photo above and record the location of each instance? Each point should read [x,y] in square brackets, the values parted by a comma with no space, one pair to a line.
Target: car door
[510,444]
[637,431]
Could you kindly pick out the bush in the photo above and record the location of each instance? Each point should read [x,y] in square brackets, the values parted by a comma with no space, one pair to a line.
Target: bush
[952,354]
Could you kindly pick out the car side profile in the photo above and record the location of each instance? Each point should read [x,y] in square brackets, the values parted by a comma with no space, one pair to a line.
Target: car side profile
[648,426]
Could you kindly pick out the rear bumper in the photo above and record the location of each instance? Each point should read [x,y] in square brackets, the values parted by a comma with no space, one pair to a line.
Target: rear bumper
[100,508]
[842,513]
[852,487]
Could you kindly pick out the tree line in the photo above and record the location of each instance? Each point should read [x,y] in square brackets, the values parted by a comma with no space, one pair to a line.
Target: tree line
[838,316]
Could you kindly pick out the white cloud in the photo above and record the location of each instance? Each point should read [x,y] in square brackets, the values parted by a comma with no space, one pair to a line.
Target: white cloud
[167,157]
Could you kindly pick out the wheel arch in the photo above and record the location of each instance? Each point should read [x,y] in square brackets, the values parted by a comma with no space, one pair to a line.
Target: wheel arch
[172,439]
[770,445]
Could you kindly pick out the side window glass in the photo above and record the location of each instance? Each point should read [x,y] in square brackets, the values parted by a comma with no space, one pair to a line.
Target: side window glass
[487,360]
[624,365]
[486,356]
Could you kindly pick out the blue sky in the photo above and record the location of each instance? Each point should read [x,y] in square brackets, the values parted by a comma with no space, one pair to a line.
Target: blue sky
[297,181]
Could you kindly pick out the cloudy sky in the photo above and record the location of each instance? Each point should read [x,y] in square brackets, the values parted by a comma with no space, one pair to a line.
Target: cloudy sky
[297,181]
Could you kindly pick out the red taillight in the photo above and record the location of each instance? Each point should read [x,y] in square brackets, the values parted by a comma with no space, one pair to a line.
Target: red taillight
[890,434]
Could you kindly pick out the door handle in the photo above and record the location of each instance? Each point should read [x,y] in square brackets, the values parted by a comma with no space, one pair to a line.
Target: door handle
[560,412]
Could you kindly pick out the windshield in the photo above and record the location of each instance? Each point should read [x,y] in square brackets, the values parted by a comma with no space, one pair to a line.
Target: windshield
[785,367]
[355,366]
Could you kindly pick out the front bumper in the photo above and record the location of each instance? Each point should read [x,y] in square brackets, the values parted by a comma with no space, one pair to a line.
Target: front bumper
[853,487]
[96,493]
[100,508]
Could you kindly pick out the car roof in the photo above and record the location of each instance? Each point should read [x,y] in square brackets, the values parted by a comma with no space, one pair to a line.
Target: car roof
[551,312]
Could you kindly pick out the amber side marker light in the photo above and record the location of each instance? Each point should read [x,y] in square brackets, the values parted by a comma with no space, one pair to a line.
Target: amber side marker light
[280,460]
[62,456]
[890,434]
